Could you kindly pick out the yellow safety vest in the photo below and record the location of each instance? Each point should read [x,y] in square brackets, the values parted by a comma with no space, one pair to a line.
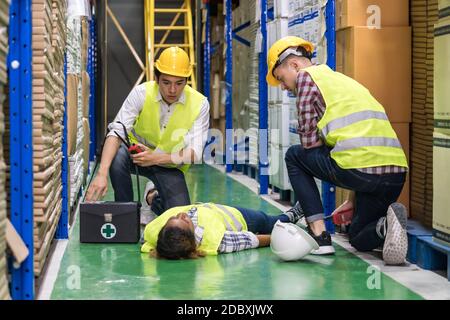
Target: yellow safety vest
[215,219]
[146,129]
[355,124]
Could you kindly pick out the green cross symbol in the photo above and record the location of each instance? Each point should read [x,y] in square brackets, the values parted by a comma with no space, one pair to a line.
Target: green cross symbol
[108,230]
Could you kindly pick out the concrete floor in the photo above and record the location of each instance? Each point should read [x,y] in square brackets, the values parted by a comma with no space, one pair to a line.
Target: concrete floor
[96,271]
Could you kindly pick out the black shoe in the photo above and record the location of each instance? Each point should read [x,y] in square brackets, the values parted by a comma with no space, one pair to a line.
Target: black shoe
[295,213]
[324,242]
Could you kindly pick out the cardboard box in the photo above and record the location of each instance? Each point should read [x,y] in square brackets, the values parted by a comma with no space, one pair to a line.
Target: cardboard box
[381,61]
[441,186]
[85,87]
[442,4]
[442,76]
[403,133]
[86,143]
[72,112]
[382,13]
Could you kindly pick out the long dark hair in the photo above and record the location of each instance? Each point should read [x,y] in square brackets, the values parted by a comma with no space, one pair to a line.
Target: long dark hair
[176,243]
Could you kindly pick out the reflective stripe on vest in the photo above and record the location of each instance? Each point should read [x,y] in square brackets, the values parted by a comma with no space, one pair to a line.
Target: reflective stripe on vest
[231,215]
[142,140]
[354,143]
[353,118]
[225,212]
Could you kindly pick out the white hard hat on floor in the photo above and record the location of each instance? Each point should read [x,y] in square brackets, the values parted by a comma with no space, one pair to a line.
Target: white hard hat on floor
[290,242]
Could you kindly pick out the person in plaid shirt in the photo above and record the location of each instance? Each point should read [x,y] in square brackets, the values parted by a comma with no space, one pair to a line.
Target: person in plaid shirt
[346,139]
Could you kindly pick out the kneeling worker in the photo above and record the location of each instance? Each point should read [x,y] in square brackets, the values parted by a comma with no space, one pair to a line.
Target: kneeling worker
[346,139]
[170,121]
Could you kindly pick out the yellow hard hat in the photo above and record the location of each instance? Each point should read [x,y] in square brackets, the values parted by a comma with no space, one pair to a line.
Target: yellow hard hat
[175,62]
[279,47]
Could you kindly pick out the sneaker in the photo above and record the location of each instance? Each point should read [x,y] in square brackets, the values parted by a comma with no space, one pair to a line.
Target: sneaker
[324,242]
[295,213]
[147,215]
[396,242]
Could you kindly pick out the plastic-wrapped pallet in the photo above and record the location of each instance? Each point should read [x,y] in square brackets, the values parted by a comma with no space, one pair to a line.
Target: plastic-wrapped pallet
[308,22]
[4,21]
[280,106]
[253,105]
[240,74]
[48,108]
[75,68]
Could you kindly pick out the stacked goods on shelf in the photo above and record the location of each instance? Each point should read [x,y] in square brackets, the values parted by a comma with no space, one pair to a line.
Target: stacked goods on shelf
[4,21]
[240,62]
[306,20]
[253,84]
[217,86]
[441,141]
[280,110]
[48,109]
[384,38]
[75,136]
[85,92]
[424,15]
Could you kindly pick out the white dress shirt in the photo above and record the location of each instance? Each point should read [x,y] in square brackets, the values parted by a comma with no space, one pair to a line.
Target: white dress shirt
[196,137]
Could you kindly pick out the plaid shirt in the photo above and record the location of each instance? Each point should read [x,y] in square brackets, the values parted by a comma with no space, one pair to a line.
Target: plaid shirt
[232,240]
[311,108]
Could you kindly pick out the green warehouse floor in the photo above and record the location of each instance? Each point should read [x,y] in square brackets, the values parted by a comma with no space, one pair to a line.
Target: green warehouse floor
[95,271]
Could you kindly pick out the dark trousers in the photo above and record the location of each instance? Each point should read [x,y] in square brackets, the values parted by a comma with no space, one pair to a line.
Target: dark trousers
[170,182]
[374,193]
[260,222]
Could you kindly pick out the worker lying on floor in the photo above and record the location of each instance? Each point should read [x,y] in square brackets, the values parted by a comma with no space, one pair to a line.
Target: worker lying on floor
[208,229]
[346,139]
[170,120]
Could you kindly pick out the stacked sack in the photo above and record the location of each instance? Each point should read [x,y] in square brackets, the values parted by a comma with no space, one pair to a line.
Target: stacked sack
[4,21]
[48,41]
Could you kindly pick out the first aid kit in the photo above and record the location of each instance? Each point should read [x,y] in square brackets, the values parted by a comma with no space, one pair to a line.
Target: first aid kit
[110,221]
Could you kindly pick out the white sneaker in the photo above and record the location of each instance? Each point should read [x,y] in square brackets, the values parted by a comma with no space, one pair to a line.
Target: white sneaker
[395,246]
[147,215]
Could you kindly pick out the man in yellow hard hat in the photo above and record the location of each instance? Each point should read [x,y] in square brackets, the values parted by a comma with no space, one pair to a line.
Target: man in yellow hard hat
[169,120]
[346,139]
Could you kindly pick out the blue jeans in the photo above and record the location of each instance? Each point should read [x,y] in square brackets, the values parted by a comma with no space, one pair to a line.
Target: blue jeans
[374,193]
[170,182]
[260,222]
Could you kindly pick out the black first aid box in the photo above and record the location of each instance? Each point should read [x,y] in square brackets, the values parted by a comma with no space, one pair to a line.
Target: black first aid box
[109,222]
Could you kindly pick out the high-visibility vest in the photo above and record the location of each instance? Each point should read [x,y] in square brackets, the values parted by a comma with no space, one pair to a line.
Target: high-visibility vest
[146,129]
[215,219]
[355,124]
